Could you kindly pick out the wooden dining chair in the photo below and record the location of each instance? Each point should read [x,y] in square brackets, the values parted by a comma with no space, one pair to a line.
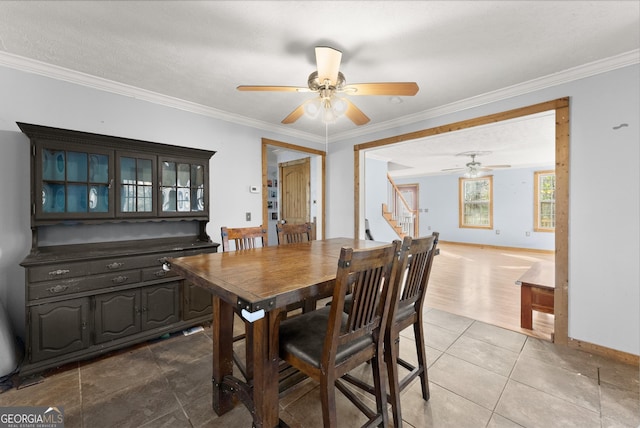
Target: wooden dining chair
[289,233]
[407,305]
[327,343]
[243,238]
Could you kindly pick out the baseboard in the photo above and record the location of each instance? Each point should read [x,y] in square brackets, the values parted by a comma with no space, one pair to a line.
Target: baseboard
[621,356]
[498,247]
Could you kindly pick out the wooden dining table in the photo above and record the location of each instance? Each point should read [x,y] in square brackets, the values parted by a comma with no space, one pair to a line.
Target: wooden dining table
[259,284]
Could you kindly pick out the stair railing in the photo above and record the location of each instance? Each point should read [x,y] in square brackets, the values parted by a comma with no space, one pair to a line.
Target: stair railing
[401,211]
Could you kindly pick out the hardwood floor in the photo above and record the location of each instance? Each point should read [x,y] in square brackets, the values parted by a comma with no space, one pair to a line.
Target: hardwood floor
[479,283]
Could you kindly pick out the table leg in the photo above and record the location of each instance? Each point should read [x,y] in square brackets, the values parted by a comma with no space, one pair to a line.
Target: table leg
[265,369]
[222,331]
[526,317]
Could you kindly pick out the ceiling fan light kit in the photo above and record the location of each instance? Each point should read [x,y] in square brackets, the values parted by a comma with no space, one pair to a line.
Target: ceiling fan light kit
[327,81]
[475,169]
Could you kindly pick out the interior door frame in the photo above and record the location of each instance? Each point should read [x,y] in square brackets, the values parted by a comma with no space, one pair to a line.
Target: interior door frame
[265,164]
[561,107]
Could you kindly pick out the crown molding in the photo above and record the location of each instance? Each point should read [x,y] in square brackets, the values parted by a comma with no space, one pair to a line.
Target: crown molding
[79,78]
[63,74]
[566,76]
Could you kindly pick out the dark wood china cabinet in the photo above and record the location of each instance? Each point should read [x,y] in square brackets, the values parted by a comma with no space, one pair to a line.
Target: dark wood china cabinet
[86,295]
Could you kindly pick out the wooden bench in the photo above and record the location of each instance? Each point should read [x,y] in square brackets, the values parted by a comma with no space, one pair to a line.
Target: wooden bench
[536,292]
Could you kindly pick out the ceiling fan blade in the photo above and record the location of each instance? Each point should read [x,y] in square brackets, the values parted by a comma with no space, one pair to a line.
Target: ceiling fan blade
[272,88]
[390,88]
[453,169]
[328,64]
[294,115]
[498,166]
[355,114]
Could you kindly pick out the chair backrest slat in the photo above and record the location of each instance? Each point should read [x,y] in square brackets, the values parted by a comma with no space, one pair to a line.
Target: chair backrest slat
[413,276]
[244,238]
[289,233]
[369,274]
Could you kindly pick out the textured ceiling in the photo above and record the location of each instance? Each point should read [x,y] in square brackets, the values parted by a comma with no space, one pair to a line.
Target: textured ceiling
[198,52]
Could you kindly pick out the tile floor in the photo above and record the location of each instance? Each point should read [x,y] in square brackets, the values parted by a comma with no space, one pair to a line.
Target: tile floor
[480,376]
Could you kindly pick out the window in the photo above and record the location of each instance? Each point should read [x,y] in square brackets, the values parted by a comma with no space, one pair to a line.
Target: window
[545,201]
[476,202]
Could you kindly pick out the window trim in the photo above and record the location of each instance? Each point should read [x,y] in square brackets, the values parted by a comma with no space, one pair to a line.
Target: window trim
[536,201]
[461,182]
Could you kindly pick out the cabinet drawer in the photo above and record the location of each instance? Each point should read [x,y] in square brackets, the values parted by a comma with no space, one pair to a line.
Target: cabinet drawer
[153,273]
[57,271]
[119,264]
[77,285]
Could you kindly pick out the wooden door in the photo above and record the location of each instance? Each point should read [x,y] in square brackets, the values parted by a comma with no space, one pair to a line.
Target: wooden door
[295,182]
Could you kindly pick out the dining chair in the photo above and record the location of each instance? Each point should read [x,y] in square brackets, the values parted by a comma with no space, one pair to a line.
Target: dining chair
[407,309]
[327,343]
[243,238]
[289,233]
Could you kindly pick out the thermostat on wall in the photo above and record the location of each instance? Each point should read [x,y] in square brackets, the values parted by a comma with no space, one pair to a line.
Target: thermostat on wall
[253,189]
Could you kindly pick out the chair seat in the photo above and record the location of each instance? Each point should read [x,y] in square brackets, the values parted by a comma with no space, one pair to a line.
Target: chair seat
[404,312]
[304,335]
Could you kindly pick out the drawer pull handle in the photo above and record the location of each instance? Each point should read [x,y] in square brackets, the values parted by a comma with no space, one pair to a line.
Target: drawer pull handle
[59,272]
[58,288]
[115,265]
[160,273]
[119,279]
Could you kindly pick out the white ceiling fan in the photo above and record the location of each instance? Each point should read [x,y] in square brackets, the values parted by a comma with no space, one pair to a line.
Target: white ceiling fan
[329,83]
[474,168]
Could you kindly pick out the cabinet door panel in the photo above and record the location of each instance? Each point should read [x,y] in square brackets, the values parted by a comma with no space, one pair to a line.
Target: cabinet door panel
[197,301]
[183,190]
[117,315]
[58,328]
[160,305]
[136,175]
[72,181]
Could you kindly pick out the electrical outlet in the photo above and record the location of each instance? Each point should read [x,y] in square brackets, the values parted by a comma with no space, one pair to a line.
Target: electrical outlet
[497,231]
[248,215]
[527,233]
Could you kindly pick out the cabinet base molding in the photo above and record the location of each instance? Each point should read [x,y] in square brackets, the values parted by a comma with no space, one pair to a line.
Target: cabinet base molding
[30,373]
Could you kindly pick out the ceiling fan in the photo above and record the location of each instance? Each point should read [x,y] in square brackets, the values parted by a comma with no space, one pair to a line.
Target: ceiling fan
[475,169]
[328,82]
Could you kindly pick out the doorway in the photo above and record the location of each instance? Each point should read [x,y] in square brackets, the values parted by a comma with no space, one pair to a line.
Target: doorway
[409,193]
[561,108]
[271,151]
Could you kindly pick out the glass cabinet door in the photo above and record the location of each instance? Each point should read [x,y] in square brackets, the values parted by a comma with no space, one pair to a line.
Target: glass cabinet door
[74,182]
[182,187]
[136,184]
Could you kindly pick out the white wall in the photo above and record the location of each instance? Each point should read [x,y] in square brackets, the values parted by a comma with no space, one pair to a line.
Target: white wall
[604,236]
[375,181]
